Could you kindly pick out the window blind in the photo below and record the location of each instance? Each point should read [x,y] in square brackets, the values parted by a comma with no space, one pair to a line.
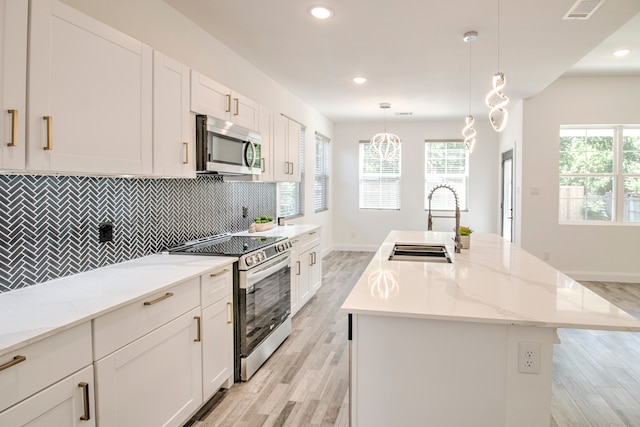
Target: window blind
[446,162]
[379,180]
[321,180]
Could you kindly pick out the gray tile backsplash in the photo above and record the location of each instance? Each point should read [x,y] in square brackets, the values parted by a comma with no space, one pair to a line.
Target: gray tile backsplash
[49,224]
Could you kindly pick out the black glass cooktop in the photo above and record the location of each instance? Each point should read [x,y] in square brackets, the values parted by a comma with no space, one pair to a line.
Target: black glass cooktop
[224,246]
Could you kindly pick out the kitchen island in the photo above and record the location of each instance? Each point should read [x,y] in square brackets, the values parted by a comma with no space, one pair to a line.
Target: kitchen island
[463,343]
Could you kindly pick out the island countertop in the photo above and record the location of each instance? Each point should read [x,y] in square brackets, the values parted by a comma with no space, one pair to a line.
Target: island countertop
[492,282]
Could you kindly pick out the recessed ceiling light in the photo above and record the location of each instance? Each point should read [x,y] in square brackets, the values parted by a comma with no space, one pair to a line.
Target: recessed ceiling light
[622,52]
[359,79]
[321,12]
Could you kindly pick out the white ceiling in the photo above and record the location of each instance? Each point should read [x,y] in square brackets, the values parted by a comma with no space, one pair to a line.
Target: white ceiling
[412,51]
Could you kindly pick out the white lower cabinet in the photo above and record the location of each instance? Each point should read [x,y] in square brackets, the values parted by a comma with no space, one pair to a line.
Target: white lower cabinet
[68,403]
[154,381]
[217,347]
[306,272]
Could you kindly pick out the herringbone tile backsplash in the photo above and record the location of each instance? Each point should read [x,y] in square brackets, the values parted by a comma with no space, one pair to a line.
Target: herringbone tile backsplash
[49,224]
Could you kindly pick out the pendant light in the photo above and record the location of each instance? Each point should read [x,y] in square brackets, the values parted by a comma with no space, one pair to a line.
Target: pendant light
[384,146]
[496,100]
[468,131]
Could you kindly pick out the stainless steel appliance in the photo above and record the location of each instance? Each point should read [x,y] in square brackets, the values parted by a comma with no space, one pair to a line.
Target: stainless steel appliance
[225,148]
[262,293]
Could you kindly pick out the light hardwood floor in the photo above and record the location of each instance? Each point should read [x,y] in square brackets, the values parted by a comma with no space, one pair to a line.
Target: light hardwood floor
[305,383]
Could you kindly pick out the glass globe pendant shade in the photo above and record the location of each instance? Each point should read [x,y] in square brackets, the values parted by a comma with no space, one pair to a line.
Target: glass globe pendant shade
[496,100]
[384,146]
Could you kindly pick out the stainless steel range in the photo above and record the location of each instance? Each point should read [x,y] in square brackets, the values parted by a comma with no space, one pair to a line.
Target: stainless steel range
[262,293]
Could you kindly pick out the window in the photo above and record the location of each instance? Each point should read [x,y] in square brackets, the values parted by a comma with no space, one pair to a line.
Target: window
[599,174]
[291,194]
[379,180]
[321,180]
[446,163]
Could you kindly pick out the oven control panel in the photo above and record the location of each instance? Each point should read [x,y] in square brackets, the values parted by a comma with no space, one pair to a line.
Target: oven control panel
[260,255]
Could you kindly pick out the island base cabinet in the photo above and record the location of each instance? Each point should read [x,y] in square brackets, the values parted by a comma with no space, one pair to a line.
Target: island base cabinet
[444,373]
[154,381]
[69,403]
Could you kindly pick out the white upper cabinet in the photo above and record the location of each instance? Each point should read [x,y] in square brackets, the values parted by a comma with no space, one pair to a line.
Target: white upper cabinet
[13,82]
[214,99]
[173,150]
[286,149]
[266,145]
[90,94]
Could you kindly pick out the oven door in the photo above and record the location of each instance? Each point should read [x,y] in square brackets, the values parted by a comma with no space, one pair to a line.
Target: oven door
[264,301]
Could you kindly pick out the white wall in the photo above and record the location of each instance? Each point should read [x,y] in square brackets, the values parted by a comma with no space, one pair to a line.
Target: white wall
[365,229]
[160,26]
[596,252]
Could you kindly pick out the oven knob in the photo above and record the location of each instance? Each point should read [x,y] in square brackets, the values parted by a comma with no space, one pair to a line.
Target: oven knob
[280,247]
[250,260]
[261,256]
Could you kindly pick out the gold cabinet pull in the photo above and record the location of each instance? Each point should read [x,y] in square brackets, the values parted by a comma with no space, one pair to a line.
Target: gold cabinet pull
[186,153]
[291,173]
[49,121]
[262,163]
[310,258]
[237,106]
[229,316]
[228,110]
[219,273]
[298,273]
[198,336]
[12,362]
[14,128]
[85,397]
[157,300]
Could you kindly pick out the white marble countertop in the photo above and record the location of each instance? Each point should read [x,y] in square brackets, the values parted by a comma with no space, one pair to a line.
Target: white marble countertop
[492,282]
[290,230]
[35,312]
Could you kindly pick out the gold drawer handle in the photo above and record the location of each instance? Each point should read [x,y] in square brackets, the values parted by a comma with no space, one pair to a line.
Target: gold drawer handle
[220,273]
[49,120]
[228,110]
[15,361]
[198,337]
[85,394]
[14,128]
[157,300]
[237,107]
[229,311]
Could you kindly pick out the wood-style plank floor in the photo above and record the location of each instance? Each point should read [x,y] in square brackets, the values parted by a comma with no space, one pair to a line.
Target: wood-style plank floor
[596,380]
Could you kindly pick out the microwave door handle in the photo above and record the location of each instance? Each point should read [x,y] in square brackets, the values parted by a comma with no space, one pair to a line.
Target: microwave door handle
[254,155]
[246,154]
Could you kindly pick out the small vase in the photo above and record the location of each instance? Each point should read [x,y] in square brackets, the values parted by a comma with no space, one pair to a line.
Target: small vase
[264,226]
[465,241]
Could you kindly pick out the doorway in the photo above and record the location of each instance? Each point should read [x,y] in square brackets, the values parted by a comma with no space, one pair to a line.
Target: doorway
[506,204]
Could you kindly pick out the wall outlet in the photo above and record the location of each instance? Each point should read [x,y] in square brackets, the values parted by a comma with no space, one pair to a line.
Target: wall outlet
[529,357]
[106,231]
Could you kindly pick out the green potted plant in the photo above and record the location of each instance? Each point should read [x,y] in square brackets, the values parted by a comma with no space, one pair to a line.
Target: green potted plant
[465,236]
[263,223]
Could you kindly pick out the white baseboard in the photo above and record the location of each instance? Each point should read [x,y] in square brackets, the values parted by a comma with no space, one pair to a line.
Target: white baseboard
[604,276]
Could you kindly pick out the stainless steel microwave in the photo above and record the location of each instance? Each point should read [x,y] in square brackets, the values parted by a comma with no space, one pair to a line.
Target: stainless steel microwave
[225,148]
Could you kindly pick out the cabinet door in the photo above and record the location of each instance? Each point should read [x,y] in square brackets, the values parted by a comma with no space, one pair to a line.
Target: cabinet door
[69,402]
[13,83]
[217,347]
[315,273]
[154,381]
[89,95]
[295,275]
[245,112]
[210,97]
[173,152]
[293,150]
[304,287]
[266,130]
[281,167]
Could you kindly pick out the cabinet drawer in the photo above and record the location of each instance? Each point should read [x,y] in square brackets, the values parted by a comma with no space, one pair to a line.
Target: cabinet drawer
[117,329]
[309,240]
[216,285]
[45,362]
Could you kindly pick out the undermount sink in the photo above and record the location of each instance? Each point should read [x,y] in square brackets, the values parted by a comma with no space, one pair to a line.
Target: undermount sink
[420,253]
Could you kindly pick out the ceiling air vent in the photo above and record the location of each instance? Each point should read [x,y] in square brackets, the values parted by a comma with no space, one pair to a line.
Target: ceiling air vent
[406,113]
[583,9]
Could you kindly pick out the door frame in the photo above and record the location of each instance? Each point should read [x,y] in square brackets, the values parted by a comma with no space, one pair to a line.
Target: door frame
[507,155]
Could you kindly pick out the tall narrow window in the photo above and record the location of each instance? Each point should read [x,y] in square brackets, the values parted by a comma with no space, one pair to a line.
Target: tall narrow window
[446,163]
[321,180]
[599,174]
[379,180]
[291,194]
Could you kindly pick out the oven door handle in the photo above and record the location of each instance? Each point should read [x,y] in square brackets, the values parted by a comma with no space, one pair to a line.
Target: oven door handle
[254,276]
